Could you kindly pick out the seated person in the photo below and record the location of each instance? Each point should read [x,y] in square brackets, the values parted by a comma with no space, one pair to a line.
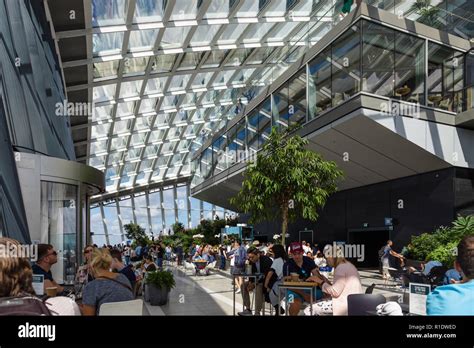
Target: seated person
[148,264]
[118,266]
[305,267]
[83,275]
[346,282]
[47,257]
[16,276]
[456,299]
[260,264]
[452,276]
[275,275]
[106,287]
[414,275]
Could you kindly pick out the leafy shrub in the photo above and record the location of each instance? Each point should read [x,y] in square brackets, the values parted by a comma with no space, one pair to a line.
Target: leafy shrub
[161,279]
[440,244]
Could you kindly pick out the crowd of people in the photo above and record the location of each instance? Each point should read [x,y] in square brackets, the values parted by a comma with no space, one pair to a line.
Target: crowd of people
[116,273]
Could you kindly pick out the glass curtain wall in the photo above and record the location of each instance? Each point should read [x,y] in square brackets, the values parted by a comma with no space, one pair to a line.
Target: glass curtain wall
[367,57]
[160,207]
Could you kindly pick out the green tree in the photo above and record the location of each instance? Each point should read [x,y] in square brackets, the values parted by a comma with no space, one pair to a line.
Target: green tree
[136,233]
[177,227]
[286,181]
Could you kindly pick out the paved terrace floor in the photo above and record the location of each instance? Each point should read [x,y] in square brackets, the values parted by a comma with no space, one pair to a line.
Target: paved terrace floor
[212,295]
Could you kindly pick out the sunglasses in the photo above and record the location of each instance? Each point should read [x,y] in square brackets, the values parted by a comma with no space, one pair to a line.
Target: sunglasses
[53,253]
[87,251]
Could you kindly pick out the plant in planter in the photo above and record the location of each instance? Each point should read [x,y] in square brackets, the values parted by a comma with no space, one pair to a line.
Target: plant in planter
[158,286]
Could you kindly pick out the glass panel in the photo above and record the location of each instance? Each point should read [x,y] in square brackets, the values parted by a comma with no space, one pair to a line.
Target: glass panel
[130,89]
[257,31]
[106,69]
[214,59]
[276,9]
[223,78]
[190,61]
[163,63]
[109,12]
[174,37]
[102,112]
[409,68]
[238,56]
[231,33]
[179,82]
[104,93]
[148,11]
[155,85]
[346,65]
[249,8]
[297,98]
[445,82]
[135,66]
[125,109]
[204,35]
[142,39]
[107,43]
[378,59]
[260,55]
[281,31]
[100,130]
[184,10]
[320,84]
[59,227]
[265,121]
[252,131]
[147,105]
[217,9]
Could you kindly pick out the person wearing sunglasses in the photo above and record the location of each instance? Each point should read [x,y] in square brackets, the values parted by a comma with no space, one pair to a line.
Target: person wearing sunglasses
[47,257]
[84,274]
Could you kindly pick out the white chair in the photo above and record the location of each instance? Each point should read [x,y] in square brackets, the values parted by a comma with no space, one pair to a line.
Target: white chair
[133,307]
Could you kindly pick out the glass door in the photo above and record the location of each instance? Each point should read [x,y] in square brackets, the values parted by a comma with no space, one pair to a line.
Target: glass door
[59,226]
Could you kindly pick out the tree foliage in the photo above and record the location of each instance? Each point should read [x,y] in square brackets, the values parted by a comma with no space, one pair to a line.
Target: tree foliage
[440,245]
[286,181]
[136,233]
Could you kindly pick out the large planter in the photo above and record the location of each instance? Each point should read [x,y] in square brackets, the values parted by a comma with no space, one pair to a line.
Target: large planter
[158,296]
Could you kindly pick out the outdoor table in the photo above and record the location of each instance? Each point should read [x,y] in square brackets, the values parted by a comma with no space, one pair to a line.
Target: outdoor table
[296,286]
[255,276]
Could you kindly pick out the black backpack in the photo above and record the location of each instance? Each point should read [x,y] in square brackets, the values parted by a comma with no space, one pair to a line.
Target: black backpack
[382,252]
[25,305]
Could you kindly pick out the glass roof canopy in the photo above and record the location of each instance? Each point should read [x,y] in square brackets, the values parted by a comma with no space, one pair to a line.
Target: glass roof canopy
[167,74]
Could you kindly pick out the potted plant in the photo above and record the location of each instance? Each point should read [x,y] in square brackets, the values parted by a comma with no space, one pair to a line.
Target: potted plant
[158,286]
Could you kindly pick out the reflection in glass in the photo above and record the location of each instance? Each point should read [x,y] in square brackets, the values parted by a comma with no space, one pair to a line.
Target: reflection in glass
[346,65]
[174,37]
[142,39]
[445,78]
[378,59]
[106,69]
[107,43]
[162,63]
[319,84]
[109,12]
[148,11]
[135,66]
[409,68]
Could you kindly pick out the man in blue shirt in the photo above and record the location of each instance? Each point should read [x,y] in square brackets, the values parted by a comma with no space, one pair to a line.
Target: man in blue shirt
[456,299]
